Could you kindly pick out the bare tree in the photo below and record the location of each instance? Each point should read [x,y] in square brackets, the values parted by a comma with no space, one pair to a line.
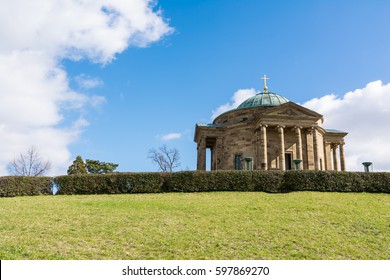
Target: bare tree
[29,164]
[166,159]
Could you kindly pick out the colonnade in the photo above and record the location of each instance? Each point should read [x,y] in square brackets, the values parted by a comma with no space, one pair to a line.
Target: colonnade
[334,147]
[281,142]
[313,158]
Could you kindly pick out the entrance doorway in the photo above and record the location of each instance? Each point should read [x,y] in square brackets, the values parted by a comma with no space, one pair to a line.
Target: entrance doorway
[288,161]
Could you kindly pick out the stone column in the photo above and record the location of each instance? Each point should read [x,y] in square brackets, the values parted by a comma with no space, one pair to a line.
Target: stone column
[201,160]
[309,149]
[315,149]
[342,159]
[218,153]
[335,163]
[282,161]
[263,148]
[212,158]
[299,145]
[328,161]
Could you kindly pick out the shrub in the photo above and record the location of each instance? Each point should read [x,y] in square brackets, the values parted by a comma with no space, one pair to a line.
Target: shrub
[187,181]
[22,186]
[268,181]
[198,181]
[112,183]
[202,181]
[277,181]
[376,182]
[330,181]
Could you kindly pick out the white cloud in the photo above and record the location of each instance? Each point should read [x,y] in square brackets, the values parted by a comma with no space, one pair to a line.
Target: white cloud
[87,82]
[96,29]
[34,88]
[171,136]
[238,97]
[364,114]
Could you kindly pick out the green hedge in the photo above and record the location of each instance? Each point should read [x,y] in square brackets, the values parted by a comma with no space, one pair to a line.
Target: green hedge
[202,181]
[113,183]
[278,181]
[269,181]
[199,181]
[323,181]
[376,182]
[329,181]
[21,186]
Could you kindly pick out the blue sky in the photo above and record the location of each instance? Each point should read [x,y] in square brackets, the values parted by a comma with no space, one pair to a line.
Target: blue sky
[207,52]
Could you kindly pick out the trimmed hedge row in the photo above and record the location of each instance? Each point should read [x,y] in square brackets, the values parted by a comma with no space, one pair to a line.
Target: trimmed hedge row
[22,186]
[337,181]
[198,181]
[113,183]
[202,181]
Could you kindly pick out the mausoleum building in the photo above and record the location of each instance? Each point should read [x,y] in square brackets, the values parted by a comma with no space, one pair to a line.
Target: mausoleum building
[269,132]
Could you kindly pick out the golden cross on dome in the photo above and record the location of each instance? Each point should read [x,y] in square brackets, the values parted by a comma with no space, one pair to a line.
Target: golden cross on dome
[265,83]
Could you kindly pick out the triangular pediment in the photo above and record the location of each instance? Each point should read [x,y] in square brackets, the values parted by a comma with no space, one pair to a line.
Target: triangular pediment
[291,110]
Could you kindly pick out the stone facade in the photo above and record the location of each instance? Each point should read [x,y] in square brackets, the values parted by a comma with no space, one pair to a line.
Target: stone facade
[270,138]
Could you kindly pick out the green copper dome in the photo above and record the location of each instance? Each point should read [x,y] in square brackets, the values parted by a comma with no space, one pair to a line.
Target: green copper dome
[263,99]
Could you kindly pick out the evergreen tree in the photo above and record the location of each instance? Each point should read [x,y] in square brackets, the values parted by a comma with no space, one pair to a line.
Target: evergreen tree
[77,167]
[97,167]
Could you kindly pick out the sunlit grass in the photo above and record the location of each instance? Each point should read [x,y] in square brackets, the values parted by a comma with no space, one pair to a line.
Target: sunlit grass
[229,225]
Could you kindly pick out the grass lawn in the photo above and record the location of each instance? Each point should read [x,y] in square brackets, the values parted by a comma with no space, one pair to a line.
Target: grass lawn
[221,225]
